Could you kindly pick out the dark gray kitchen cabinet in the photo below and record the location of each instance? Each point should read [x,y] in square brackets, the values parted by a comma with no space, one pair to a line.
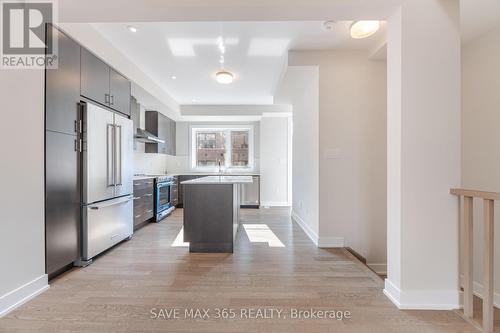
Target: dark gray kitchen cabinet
[164,128]
[102,84]
[135,115]
[63,85]
[62,200]
[172,146]
[119,90]
[180,191]
[94,78]
[143,201]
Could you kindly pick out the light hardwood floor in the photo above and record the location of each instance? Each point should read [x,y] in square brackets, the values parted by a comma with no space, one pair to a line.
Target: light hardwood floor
[117,292]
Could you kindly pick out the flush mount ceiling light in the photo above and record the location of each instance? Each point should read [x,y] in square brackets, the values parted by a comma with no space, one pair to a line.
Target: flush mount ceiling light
[224,77]
[173,77]
[363,29]
[131,28]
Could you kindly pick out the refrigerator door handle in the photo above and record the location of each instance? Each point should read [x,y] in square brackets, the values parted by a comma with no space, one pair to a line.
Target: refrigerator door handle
[118,155]
[110,203]
[110,153]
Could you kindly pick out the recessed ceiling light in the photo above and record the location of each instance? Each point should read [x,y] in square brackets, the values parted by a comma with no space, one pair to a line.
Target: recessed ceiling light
[173,77]
[363,29]
[132,28]
[224,77]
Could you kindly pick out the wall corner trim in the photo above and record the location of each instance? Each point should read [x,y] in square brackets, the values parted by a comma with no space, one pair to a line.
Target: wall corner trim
[23,294]
[309,232]
[422,299]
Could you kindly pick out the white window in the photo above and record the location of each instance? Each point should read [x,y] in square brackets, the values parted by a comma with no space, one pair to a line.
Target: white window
[221,148]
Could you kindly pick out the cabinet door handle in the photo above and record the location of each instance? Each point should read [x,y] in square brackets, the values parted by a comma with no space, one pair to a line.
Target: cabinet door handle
[148,195]
[106,98]
[137,198]
[112,100]
[78,145]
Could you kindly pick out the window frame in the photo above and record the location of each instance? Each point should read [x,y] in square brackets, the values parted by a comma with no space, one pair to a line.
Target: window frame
[193,129]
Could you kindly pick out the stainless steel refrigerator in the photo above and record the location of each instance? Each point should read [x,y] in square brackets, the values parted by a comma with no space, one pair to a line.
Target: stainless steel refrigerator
[107,210]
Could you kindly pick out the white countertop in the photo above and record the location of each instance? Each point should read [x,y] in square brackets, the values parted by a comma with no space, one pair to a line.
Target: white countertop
[216,174]
[220,180]
[143,177]
[228,174]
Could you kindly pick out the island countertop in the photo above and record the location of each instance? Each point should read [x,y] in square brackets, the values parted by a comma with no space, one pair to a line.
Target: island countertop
[219,180]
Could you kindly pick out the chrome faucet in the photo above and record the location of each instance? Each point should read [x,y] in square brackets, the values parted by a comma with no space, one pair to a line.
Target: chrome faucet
[220,167]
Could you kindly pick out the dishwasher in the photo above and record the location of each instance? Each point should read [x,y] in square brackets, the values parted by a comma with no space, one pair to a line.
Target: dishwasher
[250,194]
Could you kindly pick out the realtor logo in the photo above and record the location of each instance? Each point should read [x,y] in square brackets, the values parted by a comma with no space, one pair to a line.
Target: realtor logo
[24,41]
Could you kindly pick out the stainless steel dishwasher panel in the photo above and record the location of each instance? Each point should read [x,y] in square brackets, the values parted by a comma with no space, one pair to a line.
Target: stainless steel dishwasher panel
[250,193]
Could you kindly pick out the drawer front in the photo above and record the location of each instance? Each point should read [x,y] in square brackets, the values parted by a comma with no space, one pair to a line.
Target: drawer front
[106,224]
[144,193]
[143,184]
[143,208]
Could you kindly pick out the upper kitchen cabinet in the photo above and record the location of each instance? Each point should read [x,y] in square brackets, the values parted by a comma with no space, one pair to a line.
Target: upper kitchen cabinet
[95,78]
[173,140]
[103,84]
[63,86]
[119,89]
[164,128]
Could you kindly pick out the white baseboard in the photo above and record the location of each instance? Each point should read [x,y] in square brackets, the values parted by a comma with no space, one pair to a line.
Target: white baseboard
[23,294]
[331,242]
[477,290]
[275,204]
[380,269]
[322,242]
[422,299]
[309,232]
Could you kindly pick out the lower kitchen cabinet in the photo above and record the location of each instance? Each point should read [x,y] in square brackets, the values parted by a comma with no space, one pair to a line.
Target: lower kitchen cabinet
[143,201]
[180,188]
[62,201]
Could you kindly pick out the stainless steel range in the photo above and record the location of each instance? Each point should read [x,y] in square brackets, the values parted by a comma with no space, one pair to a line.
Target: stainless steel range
[165,196]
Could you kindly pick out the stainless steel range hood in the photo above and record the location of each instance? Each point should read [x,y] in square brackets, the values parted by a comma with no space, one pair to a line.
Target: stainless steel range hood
[145,136]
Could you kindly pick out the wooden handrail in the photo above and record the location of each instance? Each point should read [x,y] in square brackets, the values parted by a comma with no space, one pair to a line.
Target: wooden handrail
[476,194]
[488,246]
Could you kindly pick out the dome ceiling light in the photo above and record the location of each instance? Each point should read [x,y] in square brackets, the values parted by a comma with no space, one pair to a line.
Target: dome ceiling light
[364,29]
[224,77]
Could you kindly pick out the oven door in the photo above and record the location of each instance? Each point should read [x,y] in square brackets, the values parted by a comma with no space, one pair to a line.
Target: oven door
[163,196]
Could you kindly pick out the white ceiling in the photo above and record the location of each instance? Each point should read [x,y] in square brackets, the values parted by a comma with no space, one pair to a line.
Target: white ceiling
[478,17]
[255,52]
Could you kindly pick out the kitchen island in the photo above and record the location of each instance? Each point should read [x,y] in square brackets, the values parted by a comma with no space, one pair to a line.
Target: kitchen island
[211,212]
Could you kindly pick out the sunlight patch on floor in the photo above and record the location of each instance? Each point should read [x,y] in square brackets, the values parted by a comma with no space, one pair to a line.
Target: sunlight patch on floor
[179,240]
[260,233]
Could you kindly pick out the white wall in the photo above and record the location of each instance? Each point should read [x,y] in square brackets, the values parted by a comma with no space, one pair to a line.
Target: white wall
[423,154]
[352,151]
[481,137]
[274,160]
[22,224]
[300,88]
